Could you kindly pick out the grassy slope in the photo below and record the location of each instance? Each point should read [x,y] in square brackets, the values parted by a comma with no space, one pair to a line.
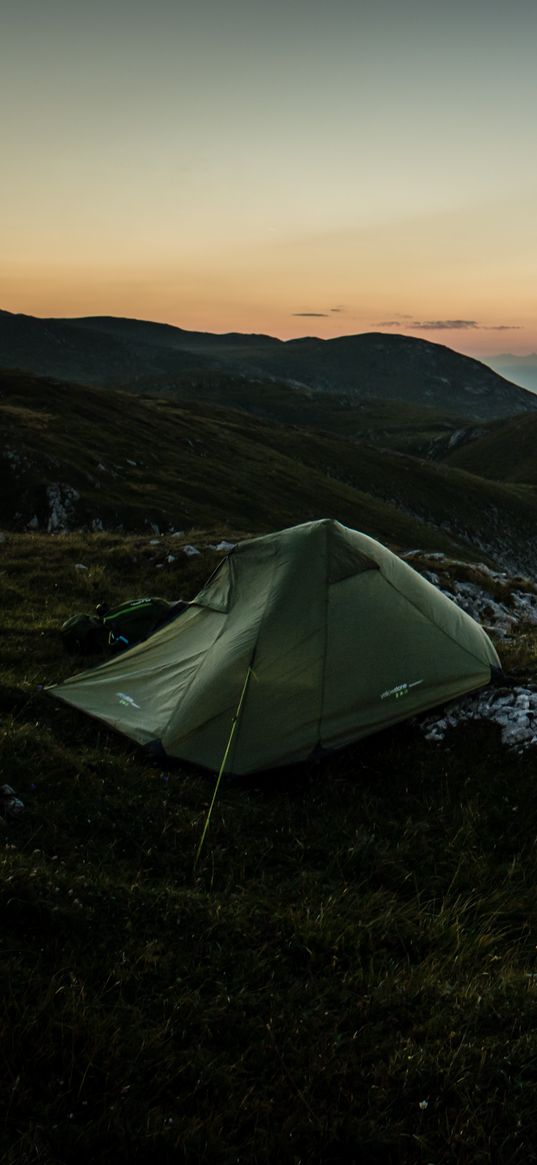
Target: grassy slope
[359,939]
[192,468]
[491,516]
[195,468]
[391,423]
[505,453]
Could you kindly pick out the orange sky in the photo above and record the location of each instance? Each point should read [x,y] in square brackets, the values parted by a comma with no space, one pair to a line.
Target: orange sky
[311,169]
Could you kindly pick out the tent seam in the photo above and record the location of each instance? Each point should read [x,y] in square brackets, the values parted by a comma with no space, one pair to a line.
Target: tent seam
[437,625]
[212,576]
[275,561]
[325,638]
[203,660]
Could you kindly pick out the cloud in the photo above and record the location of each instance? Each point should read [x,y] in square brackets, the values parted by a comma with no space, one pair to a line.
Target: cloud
[317,315]
[446,325]
[461,325]
[337,309]
[443,325]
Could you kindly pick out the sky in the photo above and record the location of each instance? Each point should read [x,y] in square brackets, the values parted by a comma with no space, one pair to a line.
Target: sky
[298,167]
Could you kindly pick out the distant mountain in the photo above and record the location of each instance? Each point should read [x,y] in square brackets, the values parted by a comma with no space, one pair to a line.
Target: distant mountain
[521,370]
[150,357]
[75,457]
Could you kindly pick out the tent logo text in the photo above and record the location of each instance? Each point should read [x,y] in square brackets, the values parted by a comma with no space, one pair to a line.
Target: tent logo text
[400,690]
[125,700]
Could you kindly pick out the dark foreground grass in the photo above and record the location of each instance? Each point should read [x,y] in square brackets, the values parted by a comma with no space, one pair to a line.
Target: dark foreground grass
[350,975]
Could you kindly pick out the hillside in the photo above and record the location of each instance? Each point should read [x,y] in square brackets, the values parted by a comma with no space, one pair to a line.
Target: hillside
[501,452]
[73,457]
[106,350]
[392,424]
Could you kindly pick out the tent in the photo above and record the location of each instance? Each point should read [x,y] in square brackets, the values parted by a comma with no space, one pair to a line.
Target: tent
[325,634]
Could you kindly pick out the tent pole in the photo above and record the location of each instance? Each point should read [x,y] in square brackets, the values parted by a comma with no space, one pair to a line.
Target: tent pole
[234,726]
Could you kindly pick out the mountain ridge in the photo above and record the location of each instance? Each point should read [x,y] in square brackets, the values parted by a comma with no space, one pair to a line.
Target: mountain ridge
[128,353]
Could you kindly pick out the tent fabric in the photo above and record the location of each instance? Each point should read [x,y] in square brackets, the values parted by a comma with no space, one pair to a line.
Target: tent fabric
[343,638]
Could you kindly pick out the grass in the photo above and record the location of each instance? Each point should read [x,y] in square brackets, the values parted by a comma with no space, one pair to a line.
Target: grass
[396,424]
[505,451]
[350,975]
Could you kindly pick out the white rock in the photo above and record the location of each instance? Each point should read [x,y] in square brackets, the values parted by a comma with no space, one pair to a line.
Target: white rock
[515,713]
[80,566]
[190,551]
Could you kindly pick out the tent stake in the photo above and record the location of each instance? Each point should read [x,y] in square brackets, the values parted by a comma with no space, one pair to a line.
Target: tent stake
[234,727]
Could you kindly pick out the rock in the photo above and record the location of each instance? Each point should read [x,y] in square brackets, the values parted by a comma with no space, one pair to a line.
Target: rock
[61,500]
[80,566]
[190,551]
[10,804]
[515,714]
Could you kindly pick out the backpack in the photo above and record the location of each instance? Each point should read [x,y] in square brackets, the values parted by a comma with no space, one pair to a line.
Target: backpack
[135,620]
[118,628]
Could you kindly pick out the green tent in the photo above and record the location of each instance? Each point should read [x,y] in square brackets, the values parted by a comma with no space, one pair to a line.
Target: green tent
[334,636]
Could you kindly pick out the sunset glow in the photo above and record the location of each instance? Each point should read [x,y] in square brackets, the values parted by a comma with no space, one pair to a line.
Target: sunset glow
[292,169]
